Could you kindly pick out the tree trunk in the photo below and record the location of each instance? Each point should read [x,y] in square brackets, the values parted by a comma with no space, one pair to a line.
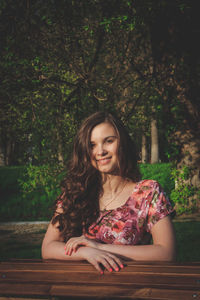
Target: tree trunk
[144,149]
[2,157]
[9,152]
[154,142]
[60,155]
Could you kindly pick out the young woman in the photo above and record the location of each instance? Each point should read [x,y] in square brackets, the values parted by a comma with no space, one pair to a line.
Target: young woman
[106,214]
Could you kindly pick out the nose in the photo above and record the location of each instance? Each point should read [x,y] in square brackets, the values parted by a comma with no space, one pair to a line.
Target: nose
[101,150]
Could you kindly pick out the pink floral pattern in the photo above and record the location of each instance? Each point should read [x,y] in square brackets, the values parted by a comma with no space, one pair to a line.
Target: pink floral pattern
[131,223]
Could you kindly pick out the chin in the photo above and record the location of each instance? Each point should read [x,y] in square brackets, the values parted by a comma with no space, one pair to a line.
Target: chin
[113,171]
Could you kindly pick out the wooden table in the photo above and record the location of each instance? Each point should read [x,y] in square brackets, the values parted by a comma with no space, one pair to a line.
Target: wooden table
[138,280]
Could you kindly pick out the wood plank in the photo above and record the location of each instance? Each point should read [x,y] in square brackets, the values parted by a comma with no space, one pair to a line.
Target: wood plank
[139,280]
[85,273]
[99,291]
[55,265]
[51,265]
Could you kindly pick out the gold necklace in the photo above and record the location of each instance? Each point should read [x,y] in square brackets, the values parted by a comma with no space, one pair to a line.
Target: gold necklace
[114,197]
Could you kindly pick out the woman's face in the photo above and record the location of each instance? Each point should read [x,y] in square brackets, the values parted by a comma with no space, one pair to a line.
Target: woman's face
[104,147]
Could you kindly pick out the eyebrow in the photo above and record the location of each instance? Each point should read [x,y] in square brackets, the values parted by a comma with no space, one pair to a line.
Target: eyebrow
[107,137]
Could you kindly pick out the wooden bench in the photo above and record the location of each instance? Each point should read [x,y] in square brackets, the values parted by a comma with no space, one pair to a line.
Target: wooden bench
[71,280]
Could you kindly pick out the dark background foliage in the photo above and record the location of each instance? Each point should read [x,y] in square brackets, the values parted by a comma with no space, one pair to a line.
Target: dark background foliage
[61,60]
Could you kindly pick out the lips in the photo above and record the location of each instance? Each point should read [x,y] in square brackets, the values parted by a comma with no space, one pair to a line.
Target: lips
[104,161]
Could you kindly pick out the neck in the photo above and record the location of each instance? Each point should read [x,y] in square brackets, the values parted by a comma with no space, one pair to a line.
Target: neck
[112,183]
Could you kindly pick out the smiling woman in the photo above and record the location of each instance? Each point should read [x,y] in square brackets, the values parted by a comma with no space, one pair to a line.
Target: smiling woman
[104,145]
[105,213]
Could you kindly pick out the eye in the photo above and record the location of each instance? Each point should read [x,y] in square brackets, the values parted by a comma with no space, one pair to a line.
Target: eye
[92,145]
[109,141]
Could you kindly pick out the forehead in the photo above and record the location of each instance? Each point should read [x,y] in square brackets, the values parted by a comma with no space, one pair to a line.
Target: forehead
[103,130]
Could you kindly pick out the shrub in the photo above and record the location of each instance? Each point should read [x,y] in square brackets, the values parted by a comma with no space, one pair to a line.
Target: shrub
[160,172]
[182,194]
[27,193]
[10,196]
[40,186]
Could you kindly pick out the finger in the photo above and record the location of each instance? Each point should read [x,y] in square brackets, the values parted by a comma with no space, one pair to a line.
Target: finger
[117,262]
[113,263]
[67,246]
[69,241]
[71,249]
[68,249]
[97,266]
[104,261]
[74,246]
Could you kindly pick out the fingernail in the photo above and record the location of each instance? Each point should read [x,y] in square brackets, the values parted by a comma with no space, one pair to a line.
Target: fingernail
[121,266]
[117,269]
[110,270]
[101,272]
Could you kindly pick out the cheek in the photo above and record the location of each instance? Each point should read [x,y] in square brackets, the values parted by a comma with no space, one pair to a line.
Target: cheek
[92,154]
[115,149]
[92,158]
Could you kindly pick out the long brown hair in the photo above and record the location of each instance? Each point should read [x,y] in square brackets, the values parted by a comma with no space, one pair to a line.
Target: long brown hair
[83,184]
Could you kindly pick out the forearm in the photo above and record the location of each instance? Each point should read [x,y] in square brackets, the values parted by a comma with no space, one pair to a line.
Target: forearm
[141,252]
[163,248]
[55,250]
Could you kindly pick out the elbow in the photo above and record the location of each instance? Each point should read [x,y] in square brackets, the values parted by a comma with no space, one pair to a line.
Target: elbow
[169,256]
[172,257]
[44,252]
[166,253]
[44,255]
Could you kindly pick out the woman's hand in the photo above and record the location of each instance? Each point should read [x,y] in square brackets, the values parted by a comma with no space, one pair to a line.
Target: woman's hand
[101,259]
[75,242]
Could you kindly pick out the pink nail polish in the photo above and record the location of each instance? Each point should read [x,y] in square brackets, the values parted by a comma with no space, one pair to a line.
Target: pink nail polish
[121,266]
[110,270]
[116,269]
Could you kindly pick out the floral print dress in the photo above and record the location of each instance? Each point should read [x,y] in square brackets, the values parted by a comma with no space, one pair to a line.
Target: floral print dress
[131,223]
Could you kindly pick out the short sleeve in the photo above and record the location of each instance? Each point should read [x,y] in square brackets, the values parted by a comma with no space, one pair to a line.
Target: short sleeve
[159,205]
[59,204]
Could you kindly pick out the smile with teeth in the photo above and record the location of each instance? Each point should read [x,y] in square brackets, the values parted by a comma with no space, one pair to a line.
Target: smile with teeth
[103,161]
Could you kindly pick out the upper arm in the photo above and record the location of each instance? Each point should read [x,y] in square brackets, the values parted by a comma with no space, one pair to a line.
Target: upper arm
[163,234]
[52,233]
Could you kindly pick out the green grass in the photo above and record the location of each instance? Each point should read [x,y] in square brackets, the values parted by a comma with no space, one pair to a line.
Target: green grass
[187,234]
[16,249]
[188,240]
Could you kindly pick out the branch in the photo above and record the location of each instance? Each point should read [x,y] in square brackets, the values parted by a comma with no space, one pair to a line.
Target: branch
[96,55]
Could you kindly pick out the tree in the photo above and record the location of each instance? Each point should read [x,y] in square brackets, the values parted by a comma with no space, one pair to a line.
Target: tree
[126,57]
[154,142]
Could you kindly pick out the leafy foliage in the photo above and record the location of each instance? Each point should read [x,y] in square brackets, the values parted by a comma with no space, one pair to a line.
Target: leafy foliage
[30,192]
[63,60]
[182,194]
[160,172]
